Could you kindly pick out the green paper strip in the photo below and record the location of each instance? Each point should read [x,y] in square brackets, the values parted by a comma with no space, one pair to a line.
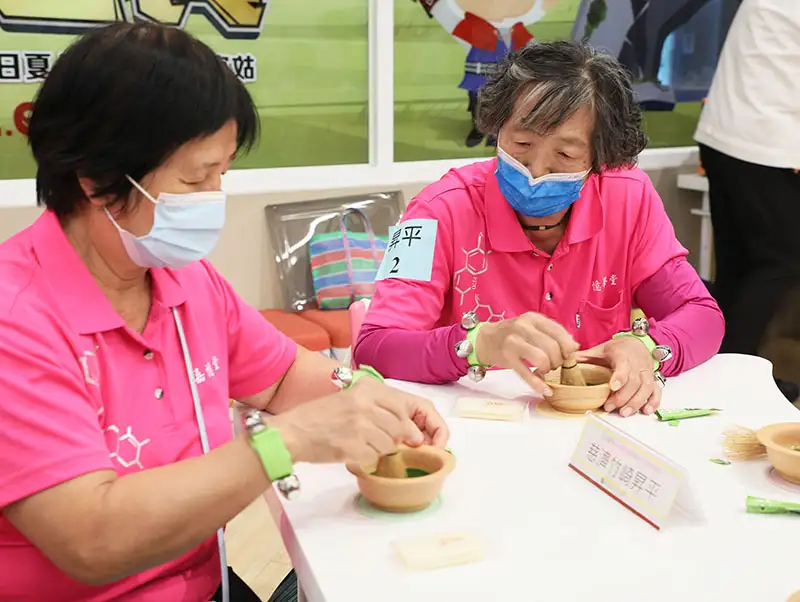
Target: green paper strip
[684,413]
[758,505]
[674,423]
[720,461]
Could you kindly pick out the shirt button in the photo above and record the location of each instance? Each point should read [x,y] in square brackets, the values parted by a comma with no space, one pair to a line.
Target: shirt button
[549,267]
[158,393]
[148,355]
[548,296]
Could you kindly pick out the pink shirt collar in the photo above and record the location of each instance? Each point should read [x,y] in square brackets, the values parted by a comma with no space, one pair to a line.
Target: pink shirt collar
[507,236]
[87,309]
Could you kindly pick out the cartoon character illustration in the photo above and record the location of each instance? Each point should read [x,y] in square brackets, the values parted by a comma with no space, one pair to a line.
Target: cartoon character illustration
[635,31]
[234,19]
[489,29]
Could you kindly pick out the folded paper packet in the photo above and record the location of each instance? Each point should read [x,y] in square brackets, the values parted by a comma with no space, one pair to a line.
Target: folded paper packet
[439,551]
[666,415]
[489,409]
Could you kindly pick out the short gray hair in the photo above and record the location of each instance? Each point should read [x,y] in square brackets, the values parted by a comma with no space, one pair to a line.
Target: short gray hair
[559,78]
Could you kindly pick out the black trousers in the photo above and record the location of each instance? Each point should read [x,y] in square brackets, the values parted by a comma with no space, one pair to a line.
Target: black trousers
[241,592]
[755,211]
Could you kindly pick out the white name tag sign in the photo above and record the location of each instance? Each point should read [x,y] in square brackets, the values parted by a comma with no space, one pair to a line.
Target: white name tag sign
[635,475]
[482,408]
[439,551]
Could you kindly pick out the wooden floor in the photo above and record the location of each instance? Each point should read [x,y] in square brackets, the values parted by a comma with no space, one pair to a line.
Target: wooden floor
[255,549]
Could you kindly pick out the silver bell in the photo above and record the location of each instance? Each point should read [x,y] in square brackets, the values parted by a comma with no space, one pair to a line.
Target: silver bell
[342,377]
[662,353]
[464,349]
[640,327]
[469,320]
[290,487]
[476,373]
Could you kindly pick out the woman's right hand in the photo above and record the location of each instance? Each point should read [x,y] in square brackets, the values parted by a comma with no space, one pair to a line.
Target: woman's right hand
[359,424]
[532,338]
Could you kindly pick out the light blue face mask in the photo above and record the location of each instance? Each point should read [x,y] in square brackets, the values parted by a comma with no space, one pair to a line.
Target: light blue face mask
[186,227]
[536,197]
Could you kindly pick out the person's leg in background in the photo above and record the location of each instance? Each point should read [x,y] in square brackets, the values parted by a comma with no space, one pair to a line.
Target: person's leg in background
[756,216]
[732,263]
[475,137]
[239,590]
[286,590]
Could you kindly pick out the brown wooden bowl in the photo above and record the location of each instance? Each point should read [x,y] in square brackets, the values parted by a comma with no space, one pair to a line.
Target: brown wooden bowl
[779,440]
[427,467]
[578,400]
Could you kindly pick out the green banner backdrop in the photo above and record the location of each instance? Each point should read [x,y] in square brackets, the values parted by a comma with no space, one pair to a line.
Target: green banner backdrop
[305,63]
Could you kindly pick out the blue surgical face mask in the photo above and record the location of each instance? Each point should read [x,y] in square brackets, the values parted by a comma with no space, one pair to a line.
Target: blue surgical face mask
[536,197]
[185,229]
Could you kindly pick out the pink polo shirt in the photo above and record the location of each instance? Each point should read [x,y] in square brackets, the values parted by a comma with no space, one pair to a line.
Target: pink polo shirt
[81,392]
[618,235]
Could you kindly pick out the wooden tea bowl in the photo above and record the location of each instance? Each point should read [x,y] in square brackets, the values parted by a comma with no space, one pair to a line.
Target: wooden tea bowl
[409,494]
[578,400]
[779,440]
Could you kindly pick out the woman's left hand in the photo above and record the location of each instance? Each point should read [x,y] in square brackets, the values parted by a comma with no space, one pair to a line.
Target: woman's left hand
[633,383]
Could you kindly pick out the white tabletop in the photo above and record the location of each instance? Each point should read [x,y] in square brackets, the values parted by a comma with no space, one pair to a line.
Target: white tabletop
[551,536]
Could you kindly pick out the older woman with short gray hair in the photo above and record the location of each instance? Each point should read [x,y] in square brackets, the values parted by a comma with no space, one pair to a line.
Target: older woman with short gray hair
[540,255]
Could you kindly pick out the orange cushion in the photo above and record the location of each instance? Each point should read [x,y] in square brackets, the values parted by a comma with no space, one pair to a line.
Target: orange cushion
[336,323]
[303,332]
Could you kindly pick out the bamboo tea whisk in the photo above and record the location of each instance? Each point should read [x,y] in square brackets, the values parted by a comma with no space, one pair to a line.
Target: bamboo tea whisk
[571,373]
[741,443]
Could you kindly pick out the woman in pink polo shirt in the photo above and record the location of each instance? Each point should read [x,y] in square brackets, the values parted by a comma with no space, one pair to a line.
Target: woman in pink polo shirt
[120,345]
[528,258]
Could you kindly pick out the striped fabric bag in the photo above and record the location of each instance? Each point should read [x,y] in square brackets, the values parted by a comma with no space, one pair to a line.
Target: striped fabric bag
[344,264]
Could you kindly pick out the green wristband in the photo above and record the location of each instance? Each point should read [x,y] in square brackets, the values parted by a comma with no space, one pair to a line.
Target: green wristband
[646,340]
[472,337]
[272,452]
[363,371]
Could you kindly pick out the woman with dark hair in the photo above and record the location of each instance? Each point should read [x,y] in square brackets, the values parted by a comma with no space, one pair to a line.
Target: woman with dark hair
[121,346]
[540,254]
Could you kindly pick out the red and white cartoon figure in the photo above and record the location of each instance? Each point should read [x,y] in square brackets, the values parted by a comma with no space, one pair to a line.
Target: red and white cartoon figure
[489,29]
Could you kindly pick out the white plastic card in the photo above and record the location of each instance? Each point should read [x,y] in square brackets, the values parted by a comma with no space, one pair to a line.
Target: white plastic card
[438,551]
[644,481]
[489,408]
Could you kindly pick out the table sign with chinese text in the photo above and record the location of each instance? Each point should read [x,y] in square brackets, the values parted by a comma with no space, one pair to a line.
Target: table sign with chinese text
[409,254]
[644,481]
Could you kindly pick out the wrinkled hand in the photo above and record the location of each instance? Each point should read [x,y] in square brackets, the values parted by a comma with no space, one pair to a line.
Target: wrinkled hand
[360,424]
[531,338]
[632,380]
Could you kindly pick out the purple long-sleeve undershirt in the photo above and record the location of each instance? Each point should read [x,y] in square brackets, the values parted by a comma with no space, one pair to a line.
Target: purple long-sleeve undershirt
[682,315]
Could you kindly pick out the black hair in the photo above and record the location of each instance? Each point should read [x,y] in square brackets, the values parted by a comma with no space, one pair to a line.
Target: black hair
[119,101]
[559,78]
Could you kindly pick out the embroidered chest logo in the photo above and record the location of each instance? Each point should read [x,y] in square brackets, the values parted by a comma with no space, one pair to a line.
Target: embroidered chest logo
[125,448]
[209,371]
[600,285]
[91,368]
[465,282]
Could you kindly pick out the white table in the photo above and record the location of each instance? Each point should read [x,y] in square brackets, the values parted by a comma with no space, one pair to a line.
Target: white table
[699,183]
[553,537]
